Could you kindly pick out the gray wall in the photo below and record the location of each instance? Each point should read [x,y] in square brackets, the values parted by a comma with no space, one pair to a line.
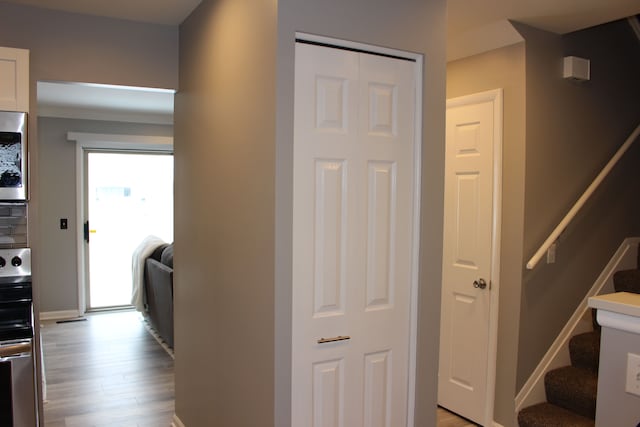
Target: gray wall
[572,130]
[412,25]
[557,136]
[234,189]
[57,172]
[503,68]
[224,154]
[79,48]
[82,48]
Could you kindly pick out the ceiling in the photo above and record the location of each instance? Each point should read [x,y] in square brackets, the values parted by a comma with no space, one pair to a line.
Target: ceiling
[167,12]
[469,22]
[560,16]
[475,26]
[105,102]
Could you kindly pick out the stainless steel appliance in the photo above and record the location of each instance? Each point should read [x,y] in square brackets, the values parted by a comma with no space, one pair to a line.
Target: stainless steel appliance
[13,155]
[17,372]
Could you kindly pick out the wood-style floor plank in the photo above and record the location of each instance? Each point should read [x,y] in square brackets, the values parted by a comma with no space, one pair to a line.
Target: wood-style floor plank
[449,419]
[107,371]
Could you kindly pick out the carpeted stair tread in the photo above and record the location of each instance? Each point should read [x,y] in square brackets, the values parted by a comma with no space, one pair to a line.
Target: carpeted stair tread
[574,389]
[548,415]
[584,350]
[627,281]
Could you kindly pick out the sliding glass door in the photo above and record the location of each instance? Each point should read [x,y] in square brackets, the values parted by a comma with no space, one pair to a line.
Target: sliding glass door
[129,196]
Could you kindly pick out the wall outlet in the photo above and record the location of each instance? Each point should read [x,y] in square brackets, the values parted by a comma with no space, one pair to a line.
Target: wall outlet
[633,374]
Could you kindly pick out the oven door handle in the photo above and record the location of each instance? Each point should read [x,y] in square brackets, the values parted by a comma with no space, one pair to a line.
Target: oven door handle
[15,350]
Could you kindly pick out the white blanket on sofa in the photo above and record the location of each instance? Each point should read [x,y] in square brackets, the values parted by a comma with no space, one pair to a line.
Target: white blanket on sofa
[140,254]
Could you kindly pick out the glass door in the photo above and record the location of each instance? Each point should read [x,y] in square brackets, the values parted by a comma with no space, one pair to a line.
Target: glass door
[129,196]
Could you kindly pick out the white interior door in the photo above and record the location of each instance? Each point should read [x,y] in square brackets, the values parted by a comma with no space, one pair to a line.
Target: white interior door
[354,181]
[467,345]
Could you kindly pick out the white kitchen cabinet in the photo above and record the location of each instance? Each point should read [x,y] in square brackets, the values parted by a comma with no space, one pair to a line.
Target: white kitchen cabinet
[14,79]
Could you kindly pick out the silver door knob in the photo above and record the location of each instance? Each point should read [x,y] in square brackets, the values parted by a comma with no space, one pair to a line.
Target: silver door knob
[480,284]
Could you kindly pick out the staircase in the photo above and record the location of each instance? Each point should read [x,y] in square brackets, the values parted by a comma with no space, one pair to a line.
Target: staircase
[571,390]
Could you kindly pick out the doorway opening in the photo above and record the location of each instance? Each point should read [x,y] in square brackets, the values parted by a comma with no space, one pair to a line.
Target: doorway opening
[129,196]
[74,120]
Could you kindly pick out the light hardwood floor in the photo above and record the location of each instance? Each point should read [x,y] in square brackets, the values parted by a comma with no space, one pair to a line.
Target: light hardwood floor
[448,419]
[106,371]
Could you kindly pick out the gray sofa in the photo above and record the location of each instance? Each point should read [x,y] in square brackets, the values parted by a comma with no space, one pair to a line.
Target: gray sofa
[158,291]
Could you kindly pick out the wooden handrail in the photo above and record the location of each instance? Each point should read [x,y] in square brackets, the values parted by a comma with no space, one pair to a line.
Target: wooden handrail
[582,200]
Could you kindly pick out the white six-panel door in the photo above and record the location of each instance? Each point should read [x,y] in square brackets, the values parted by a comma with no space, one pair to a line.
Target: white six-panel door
[352,238]
[469,252]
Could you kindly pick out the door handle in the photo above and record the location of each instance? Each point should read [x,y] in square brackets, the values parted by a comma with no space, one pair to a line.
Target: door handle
[16,350]
[86,231]
[479,284]
[334,339]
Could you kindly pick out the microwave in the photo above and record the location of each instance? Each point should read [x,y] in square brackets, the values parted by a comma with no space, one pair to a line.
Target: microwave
[13,156]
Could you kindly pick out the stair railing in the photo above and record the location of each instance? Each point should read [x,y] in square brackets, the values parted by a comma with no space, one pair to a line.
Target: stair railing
[582,200]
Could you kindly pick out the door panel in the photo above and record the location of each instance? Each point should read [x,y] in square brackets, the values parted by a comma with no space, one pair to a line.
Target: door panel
[380,234]
[328,389]
[330,227]
[352,237]
[467,249]
[377,387]
[324,130]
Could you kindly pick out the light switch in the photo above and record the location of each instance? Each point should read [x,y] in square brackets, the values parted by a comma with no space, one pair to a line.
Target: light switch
[633,374]
[64,224]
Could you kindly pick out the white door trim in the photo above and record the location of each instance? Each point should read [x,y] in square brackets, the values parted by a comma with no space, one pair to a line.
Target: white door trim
[413,334]
[494,96]
[418,60]
[93,141]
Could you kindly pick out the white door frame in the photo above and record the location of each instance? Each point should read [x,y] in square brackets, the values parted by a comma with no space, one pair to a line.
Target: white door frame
[418,60]
[88,142]
[496,97]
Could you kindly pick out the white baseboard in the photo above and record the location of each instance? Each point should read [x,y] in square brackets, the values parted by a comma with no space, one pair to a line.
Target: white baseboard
[558,354]
[59,315]
[176,422]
